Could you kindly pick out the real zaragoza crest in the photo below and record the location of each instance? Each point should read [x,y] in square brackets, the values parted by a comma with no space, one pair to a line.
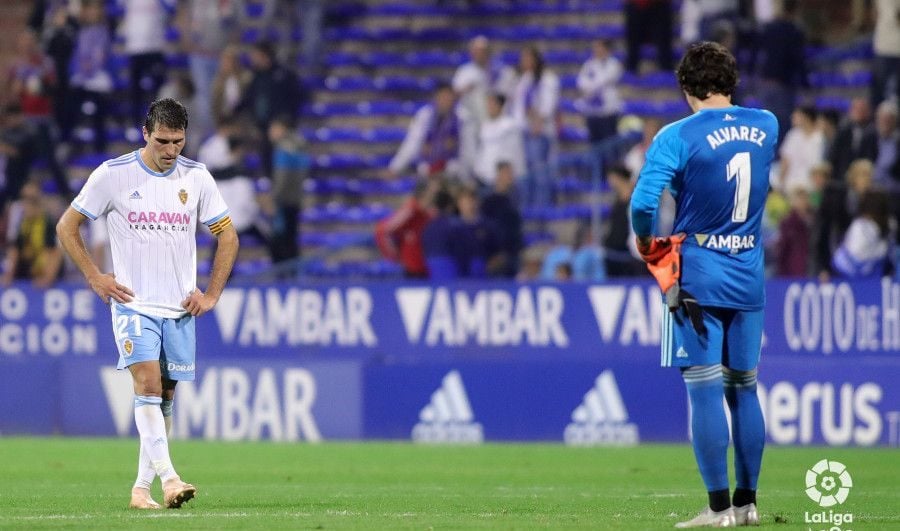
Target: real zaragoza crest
[129,346]
[182,195]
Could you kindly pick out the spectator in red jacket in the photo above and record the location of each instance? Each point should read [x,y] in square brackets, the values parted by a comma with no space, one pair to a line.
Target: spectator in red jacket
[399,236]
[31,82]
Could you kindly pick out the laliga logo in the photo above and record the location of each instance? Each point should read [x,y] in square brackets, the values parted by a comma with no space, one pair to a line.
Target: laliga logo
[828,483]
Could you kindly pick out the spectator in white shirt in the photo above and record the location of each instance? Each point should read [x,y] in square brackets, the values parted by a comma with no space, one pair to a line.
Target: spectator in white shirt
[215,151]
[600,101]
[500,140]
[864,251]
[802,149]
[472,82]
[536,103]
[886,44]
[432,140]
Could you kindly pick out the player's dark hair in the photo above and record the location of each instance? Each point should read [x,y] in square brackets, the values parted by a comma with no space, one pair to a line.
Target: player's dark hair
[167,113]
[502,165]
[499,98]
[707,68]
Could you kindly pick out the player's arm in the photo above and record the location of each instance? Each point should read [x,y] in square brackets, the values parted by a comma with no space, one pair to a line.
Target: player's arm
[198,302]
[104,285]
[662,162]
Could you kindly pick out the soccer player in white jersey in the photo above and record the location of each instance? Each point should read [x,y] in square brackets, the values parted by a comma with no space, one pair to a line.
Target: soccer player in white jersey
[152,199]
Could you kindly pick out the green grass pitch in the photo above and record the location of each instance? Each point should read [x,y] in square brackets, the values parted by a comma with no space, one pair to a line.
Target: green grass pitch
[85,484]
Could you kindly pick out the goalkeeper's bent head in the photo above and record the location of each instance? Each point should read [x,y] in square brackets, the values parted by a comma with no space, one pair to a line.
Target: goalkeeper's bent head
[706,69]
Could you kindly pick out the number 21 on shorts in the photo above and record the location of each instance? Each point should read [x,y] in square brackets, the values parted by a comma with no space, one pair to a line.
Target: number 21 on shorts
[122,326]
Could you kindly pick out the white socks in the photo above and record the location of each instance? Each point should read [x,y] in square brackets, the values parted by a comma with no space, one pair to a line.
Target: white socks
[146,474]
[154,456]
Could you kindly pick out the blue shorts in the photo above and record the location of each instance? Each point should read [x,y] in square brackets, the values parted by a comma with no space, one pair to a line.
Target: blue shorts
[141,337]
[733,338]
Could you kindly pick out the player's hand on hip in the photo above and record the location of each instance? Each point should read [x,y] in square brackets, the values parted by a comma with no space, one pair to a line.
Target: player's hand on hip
[106,287]
[198,303]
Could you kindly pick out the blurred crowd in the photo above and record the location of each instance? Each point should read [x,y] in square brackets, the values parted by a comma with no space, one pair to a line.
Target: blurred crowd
[485,149]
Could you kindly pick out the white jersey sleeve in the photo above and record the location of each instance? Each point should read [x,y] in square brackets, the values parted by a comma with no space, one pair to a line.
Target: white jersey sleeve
[95,197]
[212,207]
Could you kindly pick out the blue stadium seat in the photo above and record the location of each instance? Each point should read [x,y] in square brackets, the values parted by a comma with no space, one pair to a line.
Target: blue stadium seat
[90,161]
[833,102]
[252,267]
[254,10]
[570,133]
[172,34]
[434,58]
[379,59]
[565,56]
[385,134]
[533,238]
[403,83]
[653,80]
[441,268]
[838,80]
[383,269]
[177,60]
[349,83]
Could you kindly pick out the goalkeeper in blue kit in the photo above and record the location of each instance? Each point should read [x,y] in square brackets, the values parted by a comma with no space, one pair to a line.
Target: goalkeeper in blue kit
[715,164]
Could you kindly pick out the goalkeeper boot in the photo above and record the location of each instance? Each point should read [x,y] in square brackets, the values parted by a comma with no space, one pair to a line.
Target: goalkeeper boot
[710,518]
[746,515]
[177,492]
[140,499]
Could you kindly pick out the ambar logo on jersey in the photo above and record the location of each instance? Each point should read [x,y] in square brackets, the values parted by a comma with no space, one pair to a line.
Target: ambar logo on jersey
[731,242]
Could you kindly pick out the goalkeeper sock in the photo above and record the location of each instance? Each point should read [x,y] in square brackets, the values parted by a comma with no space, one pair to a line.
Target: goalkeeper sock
[709,427]
[747,427]
[718,500]
[743,497]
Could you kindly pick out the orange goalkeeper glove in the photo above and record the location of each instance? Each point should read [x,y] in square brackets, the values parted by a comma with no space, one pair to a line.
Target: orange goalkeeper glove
[663,257]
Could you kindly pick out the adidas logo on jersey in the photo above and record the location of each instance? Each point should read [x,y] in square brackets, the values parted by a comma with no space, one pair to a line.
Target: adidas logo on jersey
[135,195]
[729,118]
[448,417]
[601,418]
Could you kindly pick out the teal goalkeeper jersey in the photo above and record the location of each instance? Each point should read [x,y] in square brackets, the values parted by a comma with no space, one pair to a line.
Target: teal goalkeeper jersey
[716,166]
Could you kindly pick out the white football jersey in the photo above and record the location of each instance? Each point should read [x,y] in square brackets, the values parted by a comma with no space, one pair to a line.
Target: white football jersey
[152,219]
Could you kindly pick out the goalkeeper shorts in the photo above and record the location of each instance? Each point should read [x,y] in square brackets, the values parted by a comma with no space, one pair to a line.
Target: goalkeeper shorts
[733,338]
